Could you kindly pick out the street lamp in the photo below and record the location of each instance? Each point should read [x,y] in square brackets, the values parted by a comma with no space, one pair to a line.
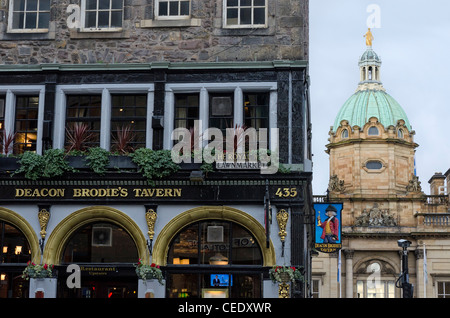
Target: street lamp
[403,280]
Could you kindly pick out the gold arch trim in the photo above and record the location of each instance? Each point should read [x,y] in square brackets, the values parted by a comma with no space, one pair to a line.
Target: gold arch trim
[59,237]
[27,230]
[167,234]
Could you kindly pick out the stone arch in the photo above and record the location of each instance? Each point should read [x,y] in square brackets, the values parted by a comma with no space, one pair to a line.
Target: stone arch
[161,245]
[19,222]
[388,265]
[64,230]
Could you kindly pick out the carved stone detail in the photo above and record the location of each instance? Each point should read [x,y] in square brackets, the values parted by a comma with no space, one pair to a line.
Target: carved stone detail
[375,217]
[336,185]
[414,185]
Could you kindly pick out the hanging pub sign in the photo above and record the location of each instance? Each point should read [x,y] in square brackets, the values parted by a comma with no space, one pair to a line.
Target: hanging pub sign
[328,238]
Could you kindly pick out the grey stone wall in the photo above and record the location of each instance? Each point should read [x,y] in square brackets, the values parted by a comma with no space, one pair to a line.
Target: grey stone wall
[145,40]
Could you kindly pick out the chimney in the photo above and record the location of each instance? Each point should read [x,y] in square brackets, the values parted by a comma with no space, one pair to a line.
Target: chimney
[437,184]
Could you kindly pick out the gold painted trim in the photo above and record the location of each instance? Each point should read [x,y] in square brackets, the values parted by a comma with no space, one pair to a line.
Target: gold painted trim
[19,222]
[63,231]
[167,234]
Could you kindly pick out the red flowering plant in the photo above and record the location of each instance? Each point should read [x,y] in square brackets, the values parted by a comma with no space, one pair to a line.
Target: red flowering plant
[37,271]
[152,271]
[284,274]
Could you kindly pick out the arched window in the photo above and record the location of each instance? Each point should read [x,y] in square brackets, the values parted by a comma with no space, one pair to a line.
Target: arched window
[373,131]
[14,245]
[214,258]
[400,133]
[100,243]
[344,134]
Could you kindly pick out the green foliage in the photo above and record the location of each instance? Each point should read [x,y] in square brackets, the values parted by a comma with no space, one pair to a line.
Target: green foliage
[154,164]
[98,159]
[51,164]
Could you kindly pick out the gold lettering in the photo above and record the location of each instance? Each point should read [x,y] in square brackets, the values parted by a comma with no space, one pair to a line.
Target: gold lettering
[20,193]
[44,192]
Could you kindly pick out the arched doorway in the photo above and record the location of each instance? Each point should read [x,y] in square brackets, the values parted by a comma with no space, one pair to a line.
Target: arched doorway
[104,243]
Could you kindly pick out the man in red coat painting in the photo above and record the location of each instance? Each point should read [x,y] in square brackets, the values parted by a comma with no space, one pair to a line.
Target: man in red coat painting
[330,226]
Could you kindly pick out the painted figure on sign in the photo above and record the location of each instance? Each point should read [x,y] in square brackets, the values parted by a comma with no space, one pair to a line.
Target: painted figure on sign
[330,226]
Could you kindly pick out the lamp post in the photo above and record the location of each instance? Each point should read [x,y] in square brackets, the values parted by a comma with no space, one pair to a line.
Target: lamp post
[403,280]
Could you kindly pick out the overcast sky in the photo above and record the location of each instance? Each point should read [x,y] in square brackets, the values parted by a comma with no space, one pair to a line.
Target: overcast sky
[413,42]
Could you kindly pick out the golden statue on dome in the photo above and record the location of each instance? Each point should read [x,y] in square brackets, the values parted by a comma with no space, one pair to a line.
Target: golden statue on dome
[369,38]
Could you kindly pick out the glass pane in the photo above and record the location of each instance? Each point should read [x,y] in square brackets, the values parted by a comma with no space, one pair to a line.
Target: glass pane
[173,9]
[18,20]
[44,5]
[184,8]
[117,4]
[100,243]
[91,18]
[232,3]
[44,19]
[183,286]
[116,19]
[259,16]
[14,245]
[103,4]
[91,4]
[163,8]
[103,19]
[245,249]
[259,2]
[246,3]
[19,5]
[214,243]
[184,248]
[246,16]
[30,20]
[32,5]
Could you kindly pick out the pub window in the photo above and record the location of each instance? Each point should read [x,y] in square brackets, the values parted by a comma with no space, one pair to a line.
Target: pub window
[214,258]
[245,13]
[26,123]
[14,245]
[29,15]
[83,114]
[103,14]
[128,122]
[186,110]
[100,243]
[256,110]
[2,120]
[221,109]
[172,9]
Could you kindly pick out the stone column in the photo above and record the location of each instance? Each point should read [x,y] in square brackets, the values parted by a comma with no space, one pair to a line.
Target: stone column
[349,273]
[419,286]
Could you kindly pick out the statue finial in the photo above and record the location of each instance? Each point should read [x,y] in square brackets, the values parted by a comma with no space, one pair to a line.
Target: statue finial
[369,37]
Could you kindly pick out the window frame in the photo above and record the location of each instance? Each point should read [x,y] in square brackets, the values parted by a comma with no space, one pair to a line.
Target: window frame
[11,92]
[174,17]
[205,89]
[106,90]
[11,29]
[84,11]
[245,26]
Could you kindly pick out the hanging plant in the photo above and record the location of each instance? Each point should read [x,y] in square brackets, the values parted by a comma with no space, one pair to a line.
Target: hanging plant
[37,271]
[284,274]
[152,271]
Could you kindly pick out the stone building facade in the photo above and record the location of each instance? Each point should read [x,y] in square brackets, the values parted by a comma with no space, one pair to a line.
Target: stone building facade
[372,172]
[104,66]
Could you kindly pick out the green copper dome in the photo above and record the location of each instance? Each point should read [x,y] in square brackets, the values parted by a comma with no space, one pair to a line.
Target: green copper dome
[364,104]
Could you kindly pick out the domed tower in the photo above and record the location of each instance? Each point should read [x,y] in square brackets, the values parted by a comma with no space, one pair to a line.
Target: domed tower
[371,144]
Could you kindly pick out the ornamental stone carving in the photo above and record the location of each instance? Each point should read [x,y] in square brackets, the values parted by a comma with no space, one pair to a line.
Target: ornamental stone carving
[336,185]
[375,217]
[414,185]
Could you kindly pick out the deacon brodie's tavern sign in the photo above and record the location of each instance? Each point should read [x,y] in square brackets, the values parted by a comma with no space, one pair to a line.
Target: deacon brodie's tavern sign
[289,190]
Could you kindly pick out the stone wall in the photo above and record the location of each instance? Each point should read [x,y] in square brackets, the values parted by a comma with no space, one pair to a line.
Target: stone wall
[144,39]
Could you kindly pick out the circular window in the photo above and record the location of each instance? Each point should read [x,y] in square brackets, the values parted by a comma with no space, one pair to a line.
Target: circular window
[374,165]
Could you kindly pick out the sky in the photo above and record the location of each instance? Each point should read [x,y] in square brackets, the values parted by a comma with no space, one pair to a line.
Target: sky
[412,38]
